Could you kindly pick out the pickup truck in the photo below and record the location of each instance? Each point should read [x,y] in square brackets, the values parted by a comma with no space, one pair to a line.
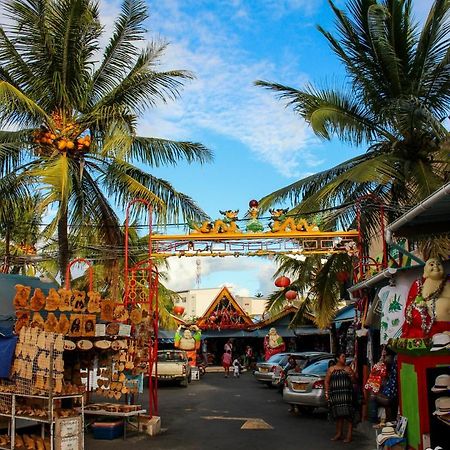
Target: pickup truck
[174,365]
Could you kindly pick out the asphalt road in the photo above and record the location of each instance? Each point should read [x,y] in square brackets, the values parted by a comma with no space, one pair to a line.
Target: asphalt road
[213,413]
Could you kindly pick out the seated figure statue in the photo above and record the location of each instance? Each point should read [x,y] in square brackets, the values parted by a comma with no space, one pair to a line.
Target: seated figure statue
[428,306]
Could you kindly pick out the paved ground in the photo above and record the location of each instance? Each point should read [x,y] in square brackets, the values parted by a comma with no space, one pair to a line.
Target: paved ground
[210,414]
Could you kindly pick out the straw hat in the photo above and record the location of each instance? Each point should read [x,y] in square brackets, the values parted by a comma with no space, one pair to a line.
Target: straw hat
[440,341]
[386,433]
[441,384]
[442,406]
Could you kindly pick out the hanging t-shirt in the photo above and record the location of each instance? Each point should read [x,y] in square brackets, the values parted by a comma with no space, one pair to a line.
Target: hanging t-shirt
[393,302]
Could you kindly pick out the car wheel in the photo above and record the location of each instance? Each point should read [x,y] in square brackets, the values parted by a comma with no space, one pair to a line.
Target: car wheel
[189,379]
[184,383]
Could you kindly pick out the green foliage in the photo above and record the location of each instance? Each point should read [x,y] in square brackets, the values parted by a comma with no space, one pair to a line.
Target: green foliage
[51,83]
[315,280]
[395,102]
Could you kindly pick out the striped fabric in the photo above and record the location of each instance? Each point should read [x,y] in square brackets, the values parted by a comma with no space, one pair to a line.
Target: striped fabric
[341,395]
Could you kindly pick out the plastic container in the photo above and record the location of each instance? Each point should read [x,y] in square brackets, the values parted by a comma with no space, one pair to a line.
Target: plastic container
[107,430]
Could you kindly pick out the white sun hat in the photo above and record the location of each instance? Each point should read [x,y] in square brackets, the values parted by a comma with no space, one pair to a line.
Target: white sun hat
[442,406]
[441,384]
[440,341]
[386,433]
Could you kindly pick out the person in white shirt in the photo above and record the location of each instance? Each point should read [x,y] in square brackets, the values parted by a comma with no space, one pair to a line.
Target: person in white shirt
[236,368]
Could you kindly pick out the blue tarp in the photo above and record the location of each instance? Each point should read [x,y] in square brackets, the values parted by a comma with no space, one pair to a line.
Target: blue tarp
[7,349]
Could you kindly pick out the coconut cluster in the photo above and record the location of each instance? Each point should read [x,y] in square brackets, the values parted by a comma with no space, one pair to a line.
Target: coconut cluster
[64,137]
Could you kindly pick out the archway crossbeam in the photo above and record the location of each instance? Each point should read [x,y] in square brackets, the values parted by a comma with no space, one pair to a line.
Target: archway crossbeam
[254,244]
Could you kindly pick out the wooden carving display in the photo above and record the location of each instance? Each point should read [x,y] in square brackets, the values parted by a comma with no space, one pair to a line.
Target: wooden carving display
[51,323]
[76,321]
[94,303]
[120,313]
[78,301]
[65,303]
[37,302]
[52,301]
[63,324]
[37,321]
[107,310]
[22,295]
[136,316]
[23,320]
[88,325]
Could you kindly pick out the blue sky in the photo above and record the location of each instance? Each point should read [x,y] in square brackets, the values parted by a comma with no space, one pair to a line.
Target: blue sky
[259,145]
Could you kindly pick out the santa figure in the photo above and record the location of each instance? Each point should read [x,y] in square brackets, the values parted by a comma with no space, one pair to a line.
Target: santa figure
[273,344]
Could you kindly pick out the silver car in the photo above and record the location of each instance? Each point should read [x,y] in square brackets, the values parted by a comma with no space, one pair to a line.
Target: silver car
[265,370]
[307,389]
[302,360]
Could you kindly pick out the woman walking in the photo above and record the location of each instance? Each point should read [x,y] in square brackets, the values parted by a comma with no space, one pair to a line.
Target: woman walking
[339,393]
[226,362]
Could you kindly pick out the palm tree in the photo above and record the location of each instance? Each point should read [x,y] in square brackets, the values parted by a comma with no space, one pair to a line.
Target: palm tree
[395,102]
[19,233]
[317,282]
[69,122]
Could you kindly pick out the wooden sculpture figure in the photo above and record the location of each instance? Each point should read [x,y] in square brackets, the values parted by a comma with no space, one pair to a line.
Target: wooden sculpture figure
[22,295]
[37,302]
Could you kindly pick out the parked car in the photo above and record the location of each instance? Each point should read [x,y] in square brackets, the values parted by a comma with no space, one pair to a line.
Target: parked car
[307,389]
[264,370]
[269,371]
[302,359]
[174,365]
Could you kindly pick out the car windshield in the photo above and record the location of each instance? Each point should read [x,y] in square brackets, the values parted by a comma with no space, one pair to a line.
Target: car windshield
[317,368]
[276,359]
[171,356]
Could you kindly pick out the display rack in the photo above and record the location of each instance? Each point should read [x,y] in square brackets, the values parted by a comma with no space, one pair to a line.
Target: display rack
[8,402]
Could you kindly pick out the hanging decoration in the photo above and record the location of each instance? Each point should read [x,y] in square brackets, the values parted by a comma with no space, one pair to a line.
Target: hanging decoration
[178,310]
[282,282]
[291,295]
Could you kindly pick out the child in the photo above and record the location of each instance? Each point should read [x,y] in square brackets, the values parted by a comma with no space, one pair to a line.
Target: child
[236,368]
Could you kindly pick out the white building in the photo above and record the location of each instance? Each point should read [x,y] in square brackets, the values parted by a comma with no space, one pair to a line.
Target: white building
[196,301]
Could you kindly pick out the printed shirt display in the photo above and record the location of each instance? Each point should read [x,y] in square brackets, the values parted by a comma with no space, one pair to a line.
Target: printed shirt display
[393,301]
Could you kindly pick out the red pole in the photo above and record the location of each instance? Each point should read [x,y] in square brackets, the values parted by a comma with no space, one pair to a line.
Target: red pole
[90,270]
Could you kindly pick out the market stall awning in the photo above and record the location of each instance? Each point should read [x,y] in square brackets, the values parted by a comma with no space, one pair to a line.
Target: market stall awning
[345,314]
[429,216]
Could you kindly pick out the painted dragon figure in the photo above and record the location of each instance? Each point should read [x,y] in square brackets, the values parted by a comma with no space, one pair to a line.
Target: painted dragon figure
[282,223]
[226,225]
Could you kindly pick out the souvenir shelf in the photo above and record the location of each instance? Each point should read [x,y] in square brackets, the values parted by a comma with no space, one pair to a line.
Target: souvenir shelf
[11,401]
[36,389]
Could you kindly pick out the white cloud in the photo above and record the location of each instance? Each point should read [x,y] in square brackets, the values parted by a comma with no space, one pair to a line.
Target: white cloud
[183,272]
[222,98]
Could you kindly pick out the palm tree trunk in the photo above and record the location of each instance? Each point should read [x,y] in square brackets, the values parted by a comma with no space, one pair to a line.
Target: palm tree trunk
[63,244]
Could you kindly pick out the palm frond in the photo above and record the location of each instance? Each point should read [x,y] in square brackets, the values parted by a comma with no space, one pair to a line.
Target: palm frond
[143,87]
[125,182]
[18,109]
[121,49]
[157,152]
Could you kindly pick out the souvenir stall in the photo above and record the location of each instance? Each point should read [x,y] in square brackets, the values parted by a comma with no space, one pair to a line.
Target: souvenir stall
[73,346]
[424,358]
